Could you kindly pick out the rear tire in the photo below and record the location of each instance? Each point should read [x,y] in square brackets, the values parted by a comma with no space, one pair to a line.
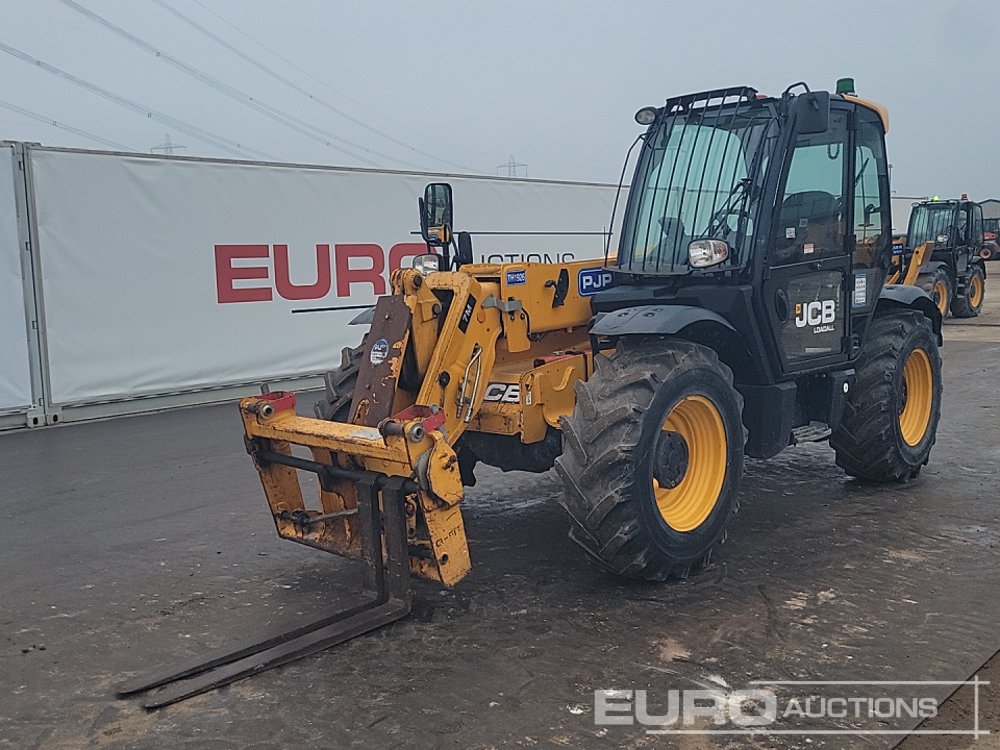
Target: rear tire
[653,457]
[335,406]
[891,416]
[970,302]
[937,284]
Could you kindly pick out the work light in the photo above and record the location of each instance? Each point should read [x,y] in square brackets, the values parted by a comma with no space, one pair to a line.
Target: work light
[646,116]
[427,263]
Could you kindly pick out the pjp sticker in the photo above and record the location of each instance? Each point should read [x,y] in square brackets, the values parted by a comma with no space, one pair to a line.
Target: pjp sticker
[789,233]
[379,351]
[593,280]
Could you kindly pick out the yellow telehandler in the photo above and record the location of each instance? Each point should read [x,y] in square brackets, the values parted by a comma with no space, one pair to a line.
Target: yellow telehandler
[744,312]
[944,252]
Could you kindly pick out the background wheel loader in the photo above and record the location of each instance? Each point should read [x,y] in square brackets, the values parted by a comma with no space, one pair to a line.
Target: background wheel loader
[945,246]
[745,311]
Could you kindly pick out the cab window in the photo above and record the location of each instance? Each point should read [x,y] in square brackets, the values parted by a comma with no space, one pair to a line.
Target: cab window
[810,223]
[963,227]
[872,220]
[977,225]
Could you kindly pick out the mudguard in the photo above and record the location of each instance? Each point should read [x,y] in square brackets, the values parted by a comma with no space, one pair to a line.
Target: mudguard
[932,265]
[654,320]
[904,295]
[695,324]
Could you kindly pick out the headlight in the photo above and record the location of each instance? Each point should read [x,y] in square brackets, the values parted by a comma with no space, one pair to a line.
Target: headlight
[427,263]
[942,239]
[704,253]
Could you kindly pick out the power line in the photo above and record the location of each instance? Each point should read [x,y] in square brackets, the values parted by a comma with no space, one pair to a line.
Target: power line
[63,126]
[218,141]
[295,87]
[320,81]
[300,126]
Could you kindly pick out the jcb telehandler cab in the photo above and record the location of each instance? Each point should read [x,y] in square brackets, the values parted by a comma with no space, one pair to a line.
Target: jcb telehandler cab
[945,239]
[745,311]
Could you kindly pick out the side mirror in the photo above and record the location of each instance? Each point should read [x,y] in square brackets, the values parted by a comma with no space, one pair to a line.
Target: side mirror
[812,112]
[436,214]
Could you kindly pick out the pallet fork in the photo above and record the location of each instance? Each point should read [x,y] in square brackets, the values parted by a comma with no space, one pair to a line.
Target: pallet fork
[380,515]
[389,491]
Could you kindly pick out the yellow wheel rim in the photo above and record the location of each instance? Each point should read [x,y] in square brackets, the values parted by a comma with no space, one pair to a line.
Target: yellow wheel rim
[976,292]
[918,381]
[941,296]
[686,506]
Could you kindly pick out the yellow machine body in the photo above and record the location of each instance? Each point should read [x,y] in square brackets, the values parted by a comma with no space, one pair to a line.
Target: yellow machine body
[492,349]
[907,272]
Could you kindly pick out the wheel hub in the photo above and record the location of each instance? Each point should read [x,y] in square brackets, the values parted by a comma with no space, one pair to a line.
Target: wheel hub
[689,462]
[941,296]
[916,399]
[670,463]
[976,295]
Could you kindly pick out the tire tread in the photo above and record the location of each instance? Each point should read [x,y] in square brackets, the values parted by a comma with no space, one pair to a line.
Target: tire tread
[599,440]
[867,441]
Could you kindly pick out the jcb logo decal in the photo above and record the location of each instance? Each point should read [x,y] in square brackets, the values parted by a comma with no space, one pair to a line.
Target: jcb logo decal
[506,393]
[815,313]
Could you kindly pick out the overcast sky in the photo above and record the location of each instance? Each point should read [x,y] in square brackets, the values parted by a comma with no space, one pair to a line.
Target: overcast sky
[461,86]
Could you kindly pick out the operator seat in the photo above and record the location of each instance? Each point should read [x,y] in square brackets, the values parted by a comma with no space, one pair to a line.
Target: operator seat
[810,226]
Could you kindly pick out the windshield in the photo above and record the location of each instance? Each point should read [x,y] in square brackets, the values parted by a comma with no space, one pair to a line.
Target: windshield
[928,221]
[698,176]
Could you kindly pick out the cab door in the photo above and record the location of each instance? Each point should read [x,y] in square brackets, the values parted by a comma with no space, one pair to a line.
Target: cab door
[971,239]
[808,267]
[871,222]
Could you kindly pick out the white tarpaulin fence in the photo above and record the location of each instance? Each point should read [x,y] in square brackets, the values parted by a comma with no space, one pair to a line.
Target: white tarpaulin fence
[15,376]
[171,275]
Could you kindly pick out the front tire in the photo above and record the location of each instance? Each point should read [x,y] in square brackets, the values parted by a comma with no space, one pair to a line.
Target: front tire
[937,284]
[653,457]
[970,301]
[335,406]
[891,416]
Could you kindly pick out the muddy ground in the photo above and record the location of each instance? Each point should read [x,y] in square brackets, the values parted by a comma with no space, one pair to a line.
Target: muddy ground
[139,542]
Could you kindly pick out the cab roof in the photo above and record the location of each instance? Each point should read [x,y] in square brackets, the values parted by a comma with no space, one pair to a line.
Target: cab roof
[875,107]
